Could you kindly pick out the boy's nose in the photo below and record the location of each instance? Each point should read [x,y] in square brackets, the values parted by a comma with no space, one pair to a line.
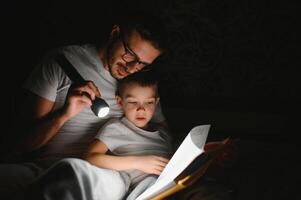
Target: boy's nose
[141,107]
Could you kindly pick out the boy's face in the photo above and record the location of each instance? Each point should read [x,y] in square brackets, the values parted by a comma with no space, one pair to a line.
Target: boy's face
[138,103]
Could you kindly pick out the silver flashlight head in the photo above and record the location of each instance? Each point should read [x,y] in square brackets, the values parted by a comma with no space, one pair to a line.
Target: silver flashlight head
[100,107]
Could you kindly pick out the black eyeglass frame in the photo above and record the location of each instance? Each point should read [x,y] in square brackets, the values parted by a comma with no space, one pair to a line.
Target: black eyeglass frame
[132,59]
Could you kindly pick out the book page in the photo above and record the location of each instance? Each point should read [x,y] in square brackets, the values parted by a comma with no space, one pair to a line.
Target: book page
[190,148]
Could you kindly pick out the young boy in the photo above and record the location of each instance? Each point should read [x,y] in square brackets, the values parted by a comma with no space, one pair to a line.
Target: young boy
[132,145]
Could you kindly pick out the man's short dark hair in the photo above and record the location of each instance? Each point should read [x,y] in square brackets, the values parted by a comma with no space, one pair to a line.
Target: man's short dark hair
[143,79]
[147,24]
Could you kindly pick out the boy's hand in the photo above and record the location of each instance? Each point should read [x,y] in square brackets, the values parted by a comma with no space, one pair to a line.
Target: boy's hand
[150,164]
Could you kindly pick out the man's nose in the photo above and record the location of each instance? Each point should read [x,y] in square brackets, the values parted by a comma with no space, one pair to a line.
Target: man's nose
[131,69]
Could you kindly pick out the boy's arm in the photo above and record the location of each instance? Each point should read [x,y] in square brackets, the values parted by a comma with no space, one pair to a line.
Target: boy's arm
[149,164]
[96,155]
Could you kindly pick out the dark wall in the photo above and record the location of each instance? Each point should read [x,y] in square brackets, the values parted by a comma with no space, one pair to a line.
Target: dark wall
[225,56]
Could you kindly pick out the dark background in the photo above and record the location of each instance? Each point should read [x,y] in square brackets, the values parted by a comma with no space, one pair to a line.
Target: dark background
[231,63]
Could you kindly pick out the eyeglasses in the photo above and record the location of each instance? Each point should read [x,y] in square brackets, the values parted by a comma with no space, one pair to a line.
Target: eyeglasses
[131,59]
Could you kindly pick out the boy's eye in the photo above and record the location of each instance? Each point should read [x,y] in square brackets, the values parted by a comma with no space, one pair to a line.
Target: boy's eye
[150,102]
[132,102]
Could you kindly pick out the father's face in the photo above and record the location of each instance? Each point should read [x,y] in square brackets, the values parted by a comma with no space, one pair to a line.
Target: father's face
[131,55]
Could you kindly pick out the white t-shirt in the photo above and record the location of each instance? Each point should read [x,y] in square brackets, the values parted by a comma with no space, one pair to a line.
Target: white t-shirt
[123,138]
[49,81]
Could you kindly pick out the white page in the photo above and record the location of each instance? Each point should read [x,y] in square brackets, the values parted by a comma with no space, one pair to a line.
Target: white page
[191,147]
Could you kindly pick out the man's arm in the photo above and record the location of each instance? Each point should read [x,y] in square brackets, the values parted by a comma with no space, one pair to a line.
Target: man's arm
[149,164]
[41,122]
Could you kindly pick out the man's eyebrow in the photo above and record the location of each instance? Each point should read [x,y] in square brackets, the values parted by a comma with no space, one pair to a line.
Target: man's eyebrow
[135,54]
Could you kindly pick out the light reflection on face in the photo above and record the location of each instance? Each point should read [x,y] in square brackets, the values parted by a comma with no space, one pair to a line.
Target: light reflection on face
[144,51]
[138,103]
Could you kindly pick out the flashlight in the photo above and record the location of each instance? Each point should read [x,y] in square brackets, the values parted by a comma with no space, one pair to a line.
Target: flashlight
[99,106]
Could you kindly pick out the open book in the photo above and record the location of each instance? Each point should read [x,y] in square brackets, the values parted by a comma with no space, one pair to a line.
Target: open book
[187,164]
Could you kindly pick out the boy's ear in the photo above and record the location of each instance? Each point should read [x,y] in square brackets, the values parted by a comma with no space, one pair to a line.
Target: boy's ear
[157,100]
[118,100]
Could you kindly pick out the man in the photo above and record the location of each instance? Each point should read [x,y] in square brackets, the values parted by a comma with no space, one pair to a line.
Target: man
[57,118]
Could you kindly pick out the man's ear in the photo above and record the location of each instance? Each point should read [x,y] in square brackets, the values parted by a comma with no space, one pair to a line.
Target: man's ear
[115,31]
[118,100]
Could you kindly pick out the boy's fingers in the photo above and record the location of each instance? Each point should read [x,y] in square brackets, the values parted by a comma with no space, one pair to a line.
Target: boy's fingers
[163,159]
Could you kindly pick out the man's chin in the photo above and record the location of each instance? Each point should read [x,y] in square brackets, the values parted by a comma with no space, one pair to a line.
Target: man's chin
[120,75]
[115,73]
[117,76]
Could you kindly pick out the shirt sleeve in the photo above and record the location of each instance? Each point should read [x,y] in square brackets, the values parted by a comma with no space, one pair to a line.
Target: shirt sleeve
[111,134]
[45,79]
